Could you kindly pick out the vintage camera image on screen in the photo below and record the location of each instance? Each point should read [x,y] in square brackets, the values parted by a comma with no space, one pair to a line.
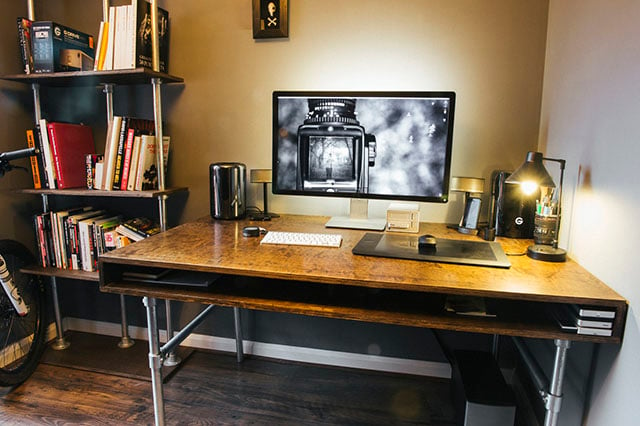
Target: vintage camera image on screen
[373,146]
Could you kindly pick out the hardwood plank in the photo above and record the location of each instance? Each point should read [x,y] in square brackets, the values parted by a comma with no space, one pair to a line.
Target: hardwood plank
[212,388]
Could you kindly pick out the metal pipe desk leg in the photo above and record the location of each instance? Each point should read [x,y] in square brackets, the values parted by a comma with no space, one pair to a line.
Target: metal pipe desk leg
[171,358]
[125,341]
[155,359]
[553,399]
[238,328]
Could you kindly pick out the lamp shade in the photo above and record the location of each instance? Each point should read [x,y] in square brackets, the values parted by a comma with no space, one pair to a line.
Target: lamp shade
[260,176]
[467,184]
[532,170]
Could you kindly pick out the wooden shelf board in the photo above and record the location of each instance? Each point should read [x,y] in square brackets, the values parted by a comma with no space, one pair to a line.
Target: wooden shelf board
[83,192]
[61,273]
[93,78]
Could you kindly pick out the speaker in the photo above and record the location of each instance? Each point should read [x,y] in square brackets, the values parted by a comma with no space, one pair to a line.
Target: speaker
[513,211]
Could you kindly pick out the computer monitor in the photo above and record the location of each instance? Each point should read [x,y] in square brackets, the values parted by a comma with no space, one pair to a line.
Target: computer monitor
[363,145]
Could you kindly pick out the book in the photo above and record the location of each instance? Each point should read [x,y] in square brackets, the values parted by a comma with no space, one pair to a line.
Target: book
[128,149]
[126,232]
[111,30]
[120,37]
[24,41]
[49,39]
[142,226]
[133,167]
[70,143]
[143,48]
[147,176]
[101,46]
[39,231]
[47,156]
[91,160]
[35,167]
[110,152]
[117,167]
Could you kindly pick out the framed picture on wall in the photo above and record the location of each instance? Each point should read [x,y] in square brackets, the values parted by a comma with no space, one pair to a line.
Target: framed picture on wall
[270,18]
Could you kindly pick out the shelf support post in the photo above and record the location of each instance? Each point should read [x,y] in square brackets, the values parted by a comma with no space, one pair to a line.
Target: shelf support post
[157,116]
[108,91]
[60,343]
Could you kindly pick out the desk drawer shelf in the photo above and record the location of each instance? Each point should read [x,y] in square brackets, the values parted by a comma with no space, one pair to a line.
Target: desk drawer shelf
[399,307]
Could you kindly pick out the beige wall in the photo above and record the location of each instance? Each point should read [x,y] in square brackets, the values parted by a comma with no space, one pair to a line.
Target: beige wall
[490,52]
[591,106]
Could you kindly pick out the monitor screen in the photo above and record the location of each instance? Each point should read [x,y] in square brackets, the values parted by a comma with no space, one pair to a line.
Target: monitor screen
[385,145]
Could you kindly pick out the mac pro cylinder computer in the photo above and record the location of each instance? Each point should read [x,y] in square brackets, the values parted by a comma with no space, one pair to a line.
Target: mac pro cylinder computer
[363,145]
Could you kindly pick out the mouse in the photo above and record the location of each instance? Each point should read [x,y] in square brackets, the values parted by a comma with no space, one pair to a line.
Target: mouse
[253,231]
[426,244]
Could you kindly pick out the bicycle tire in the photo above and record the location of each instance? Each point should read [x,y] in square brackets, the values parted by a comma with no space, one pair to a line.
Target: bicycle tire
[22,339]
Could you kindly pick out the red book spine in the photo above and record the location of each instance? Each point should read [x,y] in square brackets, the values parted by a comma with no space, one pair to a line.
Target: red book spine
[56,158]
[127,160]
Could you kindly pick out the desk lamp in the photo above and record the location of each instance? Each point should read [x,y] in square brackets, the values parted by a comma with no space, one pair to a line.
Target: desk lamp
[531,175]
[262,176]
[473,189]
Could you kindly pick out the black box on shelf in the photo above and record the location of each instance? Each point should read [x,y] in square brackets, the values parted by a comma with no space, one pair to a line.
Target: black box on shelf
[49,38]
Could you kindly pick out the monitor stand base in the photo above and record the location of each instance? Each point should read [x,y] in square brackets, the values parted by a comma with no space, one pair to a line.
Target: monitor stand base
[358,218]
[355,223]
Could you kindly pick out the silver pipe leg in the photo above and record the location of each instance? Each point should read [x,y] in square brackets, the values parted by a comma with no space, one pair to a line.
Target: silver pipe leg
[238,329]
[125,341]
[60,343]
[553,400]
[171,358]
[155,360]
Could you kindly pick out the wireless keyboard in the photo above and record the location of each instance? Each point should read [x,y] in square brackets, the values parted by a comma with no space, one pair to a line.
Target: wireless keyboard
[302,239]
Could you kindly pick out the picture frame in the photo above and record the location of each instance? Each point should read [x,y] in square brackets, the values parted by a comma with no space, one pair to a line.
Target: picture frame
[270,19]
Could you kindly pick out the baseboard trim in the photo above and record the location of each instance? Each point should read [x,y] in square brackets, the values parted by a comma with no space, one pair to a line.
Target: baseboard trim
[276,351]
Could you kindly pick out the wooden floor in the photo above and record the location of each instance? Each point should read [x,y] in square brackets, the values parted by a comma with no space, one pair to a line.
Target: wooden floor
[212,388]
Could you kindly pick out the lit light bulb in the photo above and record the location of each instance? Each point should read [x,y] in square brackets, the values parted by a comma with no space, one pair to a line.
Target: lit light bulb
[528,187]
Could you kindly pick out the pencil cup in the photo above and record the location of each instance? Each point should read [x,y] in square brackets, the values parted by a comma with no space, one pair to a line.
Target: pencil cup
[544,230]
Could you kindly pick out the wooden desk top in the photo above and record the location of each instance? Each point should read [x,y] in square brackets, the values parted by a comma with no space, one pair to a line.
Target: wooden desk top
[219,247]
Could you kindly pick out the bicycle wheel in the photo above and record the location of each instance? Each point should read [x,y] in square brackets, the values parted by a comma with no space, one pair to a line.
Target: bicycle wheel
[22,338]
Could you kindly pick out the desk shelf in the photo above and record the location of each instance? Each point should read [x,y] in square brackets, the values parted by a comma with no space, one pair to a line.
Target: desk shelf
[398,307]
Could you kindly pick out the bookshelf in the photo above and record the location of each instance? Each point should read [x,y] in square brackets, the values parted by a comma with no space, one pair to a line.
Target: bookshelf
[107,80]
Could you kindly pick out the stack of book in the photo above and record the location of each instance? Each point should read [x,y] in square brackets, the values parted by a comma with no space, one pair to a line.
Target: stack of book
[138,228]
[74,238]
[124,40]
[581,319]
[62,147]
[129,160]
